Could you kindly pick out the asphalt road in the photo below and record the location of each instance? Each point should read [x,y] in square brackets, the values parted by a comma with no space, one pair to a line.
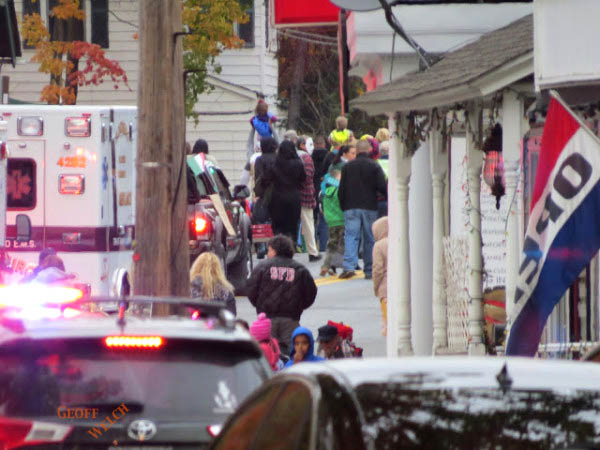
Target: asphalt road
[349,301]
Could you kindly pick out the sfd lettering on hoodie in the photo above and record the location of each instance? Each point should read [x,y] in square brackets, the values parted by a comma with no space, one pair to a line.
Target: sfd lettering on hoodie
[283,273]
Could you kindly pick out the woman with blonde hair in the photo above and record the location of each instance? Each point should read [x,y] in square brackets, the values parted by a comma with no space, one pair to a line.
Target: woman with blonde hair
[382,135]
[209,282]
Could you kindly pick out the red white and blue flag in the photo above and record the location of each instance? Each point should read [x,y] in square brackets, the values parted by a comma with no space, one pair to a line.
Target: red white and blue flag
[563,233]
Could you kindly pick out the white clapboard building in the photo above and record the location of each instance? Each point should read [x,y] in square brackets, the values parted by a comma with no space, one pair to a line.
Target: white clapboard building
[224,112]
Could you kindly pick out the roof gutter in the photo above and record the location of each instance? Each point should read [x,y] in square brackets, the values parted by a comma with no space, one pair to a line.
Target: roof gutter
[479,87]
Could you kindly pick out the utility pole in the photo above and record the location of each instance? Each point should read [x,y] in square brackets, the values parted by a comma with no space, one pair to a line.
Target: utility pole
[162,255]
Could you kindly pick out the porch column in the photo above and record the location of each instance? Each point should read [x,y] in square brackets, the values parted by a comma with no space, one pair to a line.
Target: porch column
[399,313]
[475,267]
[439,168]
[512,115]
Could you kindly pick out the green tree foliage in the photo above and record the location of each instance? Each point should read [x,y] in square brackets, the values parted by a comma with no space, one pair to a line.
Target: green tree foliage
[210,24]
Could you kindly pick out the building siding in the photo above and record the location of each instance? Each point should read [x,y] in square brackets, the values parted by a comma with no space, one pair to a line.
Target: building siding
[254,70]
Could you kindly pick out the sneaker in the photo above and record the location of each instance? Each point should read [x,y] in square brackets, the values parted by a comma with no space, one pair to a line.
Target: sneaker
[324,271]
[347,274]
[312,258]
[332,270]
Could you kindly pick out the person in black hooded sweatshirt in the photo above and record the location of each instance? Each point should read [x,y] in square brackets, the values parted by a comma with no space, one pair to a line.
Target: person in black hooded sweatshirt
[287,176]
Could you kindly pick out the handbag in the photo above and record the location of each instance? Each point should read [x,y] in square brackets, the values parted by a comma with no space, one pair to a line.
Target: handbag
[260,212]
[264,190]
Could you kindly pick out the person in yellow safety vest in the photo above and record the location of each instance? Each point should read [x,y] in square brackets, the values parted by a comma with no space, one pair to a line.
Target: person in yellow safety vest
[341,134]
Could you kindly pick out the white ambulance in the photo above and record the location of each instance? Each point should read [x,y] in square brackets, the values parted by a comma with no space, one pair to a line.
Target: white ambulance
[71,174]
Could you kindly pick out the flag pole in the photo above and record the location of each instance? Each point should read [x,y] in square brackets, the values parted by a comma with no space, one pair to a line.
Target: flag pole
[560,100]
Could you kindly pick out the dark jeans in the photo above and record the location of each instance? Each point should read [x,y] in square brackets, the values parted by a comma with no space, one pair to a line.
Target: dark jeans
[320,230]
[354,220]
[335,247]
[282,329]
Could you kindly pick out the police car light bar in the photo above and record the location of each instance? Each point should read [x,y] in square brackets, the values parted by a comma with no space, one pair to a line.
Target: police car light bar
[33,295]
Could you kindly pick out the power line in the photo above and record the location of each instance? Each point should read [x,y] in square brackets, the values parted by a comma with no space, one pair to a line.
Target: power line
[300,38]
[312,35]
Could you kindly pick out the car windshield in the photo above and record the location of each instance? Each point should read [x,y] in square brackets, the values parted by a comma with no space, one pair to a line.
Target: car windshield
[192,381]
[401,417]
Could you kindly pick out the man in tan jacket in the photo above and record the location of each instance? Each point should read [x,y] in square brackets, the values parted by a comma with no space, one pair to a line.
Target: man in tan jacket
[380,252]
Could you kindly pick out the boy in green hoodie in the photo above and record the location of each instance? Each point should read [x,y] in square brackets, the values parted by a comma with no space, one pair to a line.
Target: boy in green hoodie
[334,216]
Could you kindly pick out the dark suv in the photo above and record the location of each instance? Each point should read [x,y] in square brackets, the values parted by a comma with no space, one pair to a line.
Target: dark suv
[126,382]
[207,230]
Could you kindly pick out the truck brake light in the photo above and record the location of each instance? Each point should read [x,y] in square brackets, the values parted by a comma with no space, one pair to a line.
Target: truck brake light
[71,184]
[3,150]
[201,225]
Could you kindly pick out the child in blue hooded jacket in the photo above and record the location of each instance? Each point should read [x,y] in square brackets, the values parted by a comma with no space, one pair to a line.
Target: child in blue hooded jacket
[263,119]
[303,347]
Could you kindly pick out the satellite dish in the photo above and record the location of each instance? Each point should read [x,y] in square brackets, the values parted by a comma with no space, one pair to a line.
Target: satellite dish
[358,5]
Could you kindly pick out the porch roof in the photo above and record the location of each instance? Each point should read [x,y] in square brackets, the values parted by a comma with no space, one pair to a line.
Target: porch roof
[495,60]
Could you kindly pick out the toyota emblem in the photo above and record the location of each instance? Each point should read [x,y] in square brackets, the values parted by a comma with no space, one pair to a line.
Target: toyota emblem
[141,430]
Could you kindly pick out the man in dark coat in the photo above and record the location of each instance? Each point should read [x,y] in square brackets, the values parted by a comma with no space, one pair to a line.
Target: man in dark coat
[318,156]
[362,180]
[281,288]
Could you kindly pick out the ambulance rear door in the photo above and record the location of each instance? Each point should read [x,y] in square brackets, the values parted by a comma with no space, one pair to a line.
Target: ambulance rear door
[26,178]
[77,171]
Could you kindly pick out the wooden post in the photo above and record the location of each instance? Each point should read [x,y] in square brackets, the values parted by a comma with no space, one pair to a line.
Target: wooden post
[475,284]
[399,342]
[439,169]
[161,235]
[512,117]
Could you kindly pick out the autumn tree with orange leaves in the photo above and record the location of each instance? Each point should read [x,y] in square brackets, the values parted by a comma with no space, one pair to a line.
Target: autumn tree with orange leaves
[61,54]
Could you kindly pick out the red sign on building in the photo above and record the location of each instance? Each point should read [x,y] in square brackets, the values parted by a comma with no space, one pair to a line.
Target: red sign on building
[304,12]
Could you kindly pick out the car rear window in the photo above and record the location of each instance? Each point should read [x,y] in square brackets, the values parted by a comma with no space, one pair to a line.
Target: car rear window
[399,417]
[192,380]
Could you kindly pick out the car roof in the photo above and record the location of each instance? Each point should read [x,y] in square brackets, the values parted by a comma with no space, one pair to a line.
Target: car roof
[98,327]
[459,372]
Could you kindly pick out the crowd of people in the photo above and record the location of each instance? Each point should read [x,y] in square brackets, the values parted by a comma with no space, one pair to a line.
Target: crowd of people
[323,193]
[330,193]
[326,192]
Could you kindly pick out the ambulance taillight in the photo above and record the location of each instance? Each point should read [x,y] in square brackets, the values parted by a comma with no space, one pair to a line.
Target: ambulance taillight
[30,126]
[78,126]
[71,184]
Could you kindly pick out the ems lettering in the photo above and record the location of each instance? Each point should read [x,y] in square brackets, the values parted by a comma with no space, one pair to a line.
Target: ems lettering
[571,178]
